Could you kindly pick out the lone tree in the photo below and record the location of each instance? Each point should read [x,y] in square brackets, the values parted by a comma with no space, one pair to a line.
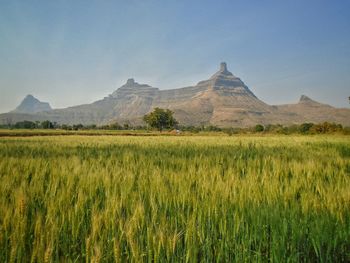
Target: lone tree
[160,119]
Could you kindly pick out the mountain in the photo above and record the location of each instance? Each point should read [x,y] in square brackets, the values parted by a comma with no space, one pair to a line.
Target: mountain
[222,100]
[316,112]
[32,105]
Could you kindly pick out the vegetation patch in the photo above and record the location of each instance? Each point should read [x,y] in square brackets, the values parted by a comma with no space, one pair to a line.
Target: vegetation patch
[177,199]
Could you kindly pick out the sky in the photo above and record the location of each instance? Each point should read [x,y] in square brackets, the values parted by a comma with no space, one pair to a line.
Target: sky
[75,52]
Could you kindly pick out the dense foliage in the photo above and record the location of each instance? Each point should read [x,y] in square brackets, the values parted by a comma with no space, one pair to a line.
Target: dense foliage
[160,119]
[157,199]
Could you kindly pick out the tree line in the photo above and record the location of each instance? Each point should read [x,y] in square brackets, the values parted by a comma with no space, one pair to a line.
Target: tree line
[305,128]
[163,119]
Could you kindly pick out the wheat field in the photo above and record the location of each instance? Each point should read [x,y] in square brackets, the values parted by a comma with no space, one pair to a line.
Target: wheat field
[175,199]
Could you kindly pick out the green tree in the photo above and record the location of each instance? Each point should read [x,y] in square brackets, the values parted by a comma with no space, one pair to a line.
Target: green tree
[115,126]
[160,119]
[305,127]
[259,128]
[47,124]
[25,125]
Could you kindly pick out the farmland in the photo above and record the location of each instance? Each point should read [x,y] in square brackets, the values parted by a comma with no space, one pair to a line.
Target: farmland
[175,198]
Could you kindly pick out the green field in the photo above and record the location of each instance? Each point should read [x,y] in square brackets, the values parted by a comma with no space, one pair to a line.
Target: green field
[175,199]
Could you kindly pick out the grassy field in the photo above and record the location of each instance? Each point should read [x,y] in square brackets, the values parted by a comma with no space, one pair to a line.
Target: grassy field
[176,199]
[60,132]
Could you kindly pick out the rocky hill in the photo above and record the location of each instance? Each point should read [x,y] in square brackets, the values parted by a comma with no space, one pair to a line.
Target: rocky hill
[309,110]
[32,105]
[222,100]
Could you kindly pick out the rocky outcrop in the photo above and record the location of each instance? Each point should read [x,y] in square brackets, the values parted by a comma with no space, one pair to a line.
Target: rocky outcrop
[222,100]
[309,110]
[32,105]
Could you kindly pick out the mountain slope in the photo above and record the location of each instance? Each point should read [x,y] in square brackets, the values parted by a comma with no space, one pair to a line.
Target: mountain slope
[32,105]
[313,111]
[222,100]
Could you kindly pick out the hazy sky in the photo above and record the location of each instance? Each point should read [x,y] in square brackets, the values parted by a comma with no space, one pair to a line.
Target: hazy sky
[74,52]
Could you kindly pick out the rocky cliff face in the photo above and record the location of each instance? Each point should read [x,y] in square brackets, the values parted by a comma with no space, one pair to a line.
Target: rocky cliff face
[222,100]
[32,105]
[133,100]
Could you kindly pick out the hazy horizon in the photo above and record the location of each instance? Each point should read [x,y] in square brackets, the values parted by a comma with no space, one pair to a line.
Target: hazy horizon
[69,53]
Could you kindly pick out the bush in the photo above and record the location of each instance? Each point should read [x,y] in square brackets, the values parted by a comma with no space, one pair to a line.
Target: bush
[259,128]
[327,127]
[305,127]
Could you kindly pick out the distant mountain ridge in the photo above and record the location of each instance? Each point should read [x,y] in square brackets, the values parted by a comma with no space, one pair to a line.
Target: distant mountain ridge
[223,100]
[32,105]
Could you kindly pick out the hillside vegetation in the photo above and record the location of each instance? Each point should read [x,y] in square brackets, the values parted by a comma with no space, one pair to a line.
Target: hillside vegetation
[176,199]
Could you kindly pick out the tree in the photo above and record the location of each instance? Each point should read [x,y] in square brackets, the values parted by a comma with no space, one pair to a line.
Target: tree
[25,125]
[160,119]
[305,127]
[115,126]
[47,124]
[259,128]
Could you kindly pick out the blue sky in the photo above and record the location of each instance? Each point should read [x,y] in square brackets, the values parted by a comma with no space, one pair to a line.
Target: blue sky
[74,52]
